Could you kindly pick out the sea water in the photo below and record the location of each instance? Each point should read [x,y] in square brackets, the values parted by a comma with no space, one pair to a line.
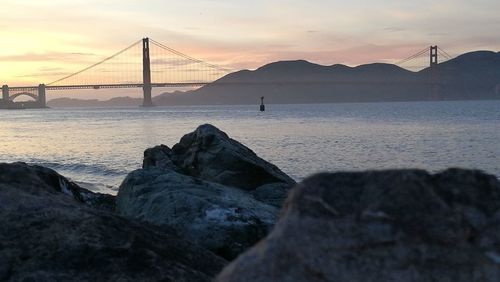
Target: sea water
[99,146]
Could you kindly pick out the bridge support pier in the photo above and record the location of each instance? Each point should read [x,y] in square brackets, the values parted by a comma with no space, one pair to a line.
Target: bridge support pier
[42,100]
[147,101]
[5,94]
[146,74]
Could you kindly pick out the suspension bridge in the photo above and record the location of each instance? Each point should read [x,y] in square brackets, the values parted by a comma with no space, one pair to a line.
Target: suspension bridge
[161,66]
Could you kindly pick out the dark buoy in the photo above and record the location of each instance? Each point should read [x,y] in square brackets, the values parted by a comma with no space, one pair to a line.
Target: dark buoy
[262,106]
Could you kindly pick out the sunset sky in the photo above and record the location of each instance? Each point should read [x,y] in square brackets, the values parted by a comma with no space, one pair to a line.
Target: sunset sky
[43,40]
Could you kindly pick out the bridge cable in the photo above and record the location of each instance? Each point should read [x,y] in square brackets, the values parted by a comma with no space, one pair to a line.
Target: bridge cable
[189,57]
[96,64]
[412,56]
[445,54]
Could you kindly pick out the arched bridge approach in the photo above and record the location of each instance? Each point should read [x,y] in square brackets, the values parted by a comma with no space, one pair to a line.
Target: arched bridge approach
[14,96]
[39,97]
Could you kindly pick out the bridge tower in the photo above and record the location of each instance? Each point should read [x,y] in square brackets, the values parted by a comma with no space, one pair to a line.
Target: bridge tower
[42,100]
[433,73]
[146,74]
[5,94]
[433,56]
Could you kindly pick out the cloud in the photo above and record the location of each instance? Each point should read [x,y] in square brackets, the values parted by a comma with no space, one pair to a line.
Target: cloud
[395,29]
[437,33]
[48,56]
[280,46]
[43,74]
[175,61]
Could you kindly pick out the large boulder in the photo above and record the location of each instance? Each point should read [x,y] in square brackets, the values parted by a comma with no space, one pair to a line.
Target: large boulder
[210,188]
[52,230]
[36,179]
[223,219]
[400,225]
[209,154]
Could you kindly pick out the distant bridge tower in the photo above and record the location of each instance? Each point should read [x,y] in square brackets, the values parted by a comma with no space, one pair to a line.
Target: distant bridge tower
[433,73]
[433,56]
[146,74]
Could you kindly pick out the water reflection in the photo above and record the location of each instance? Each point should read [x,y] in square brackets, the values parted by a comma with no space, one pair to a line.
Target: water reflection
[102,145]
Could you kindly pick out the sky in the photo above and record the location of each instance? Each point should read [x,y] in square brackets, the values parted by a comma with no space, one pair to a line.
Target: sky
[45,40]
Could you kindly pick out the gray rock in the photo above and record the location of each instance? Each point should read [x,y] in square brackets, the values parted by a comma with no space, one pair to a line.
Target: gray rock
[399,225]
[158,157]
[272,194]
[51,232]
[30,177]
[223,219]
[210,154]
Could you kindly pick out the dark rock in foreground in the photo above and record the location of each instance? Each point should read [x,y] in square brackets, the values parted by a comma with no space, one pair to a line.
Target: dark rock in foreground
[272,194]
[210,154]
[32,178]
[223,219]
[404,225]
[52,231]
[209,188]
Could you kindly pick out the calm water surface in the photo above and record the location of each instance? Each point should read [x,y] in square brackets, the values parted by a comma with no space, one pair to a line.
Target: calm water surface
[100,146]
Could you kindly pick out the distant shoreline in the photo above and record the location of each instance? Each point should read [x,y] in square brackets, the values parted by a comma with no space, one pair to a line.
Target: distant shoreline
[106,103]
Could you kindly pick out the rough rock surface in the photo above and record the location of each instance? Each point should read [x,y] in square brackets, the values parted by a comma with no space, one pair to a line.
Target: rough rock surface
[29,177]
[223,219]
[209,154]
[272,194]
[400,225]
[209,188]
[51,232]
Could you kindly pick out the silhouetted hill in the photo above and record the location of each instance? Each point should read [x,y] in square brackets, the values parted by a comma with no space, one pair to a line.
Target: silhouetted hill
[474,75]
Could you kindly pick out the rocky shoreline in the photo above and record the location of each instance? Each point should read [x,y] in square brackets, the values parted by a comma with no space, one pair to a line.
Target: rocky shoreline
[210,208]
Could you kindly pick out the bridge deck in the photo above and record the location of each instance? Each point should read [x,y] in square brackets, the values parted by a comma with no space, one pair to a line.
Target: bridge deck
[199,84]
[106,86]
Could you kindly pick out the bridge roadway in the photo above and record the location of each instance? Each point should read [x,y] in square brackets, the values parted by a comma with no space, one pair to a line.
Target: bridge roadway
[106,86]
[199,84]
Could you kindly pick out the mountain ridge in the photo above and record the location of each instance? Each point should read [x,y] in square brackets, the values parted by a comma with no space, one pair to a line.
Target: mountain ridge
[472,75]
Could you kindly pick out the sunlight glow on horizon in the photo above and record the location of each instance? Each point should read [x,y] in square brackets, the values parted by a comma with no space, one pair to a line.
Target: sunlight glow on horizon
[44,40]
